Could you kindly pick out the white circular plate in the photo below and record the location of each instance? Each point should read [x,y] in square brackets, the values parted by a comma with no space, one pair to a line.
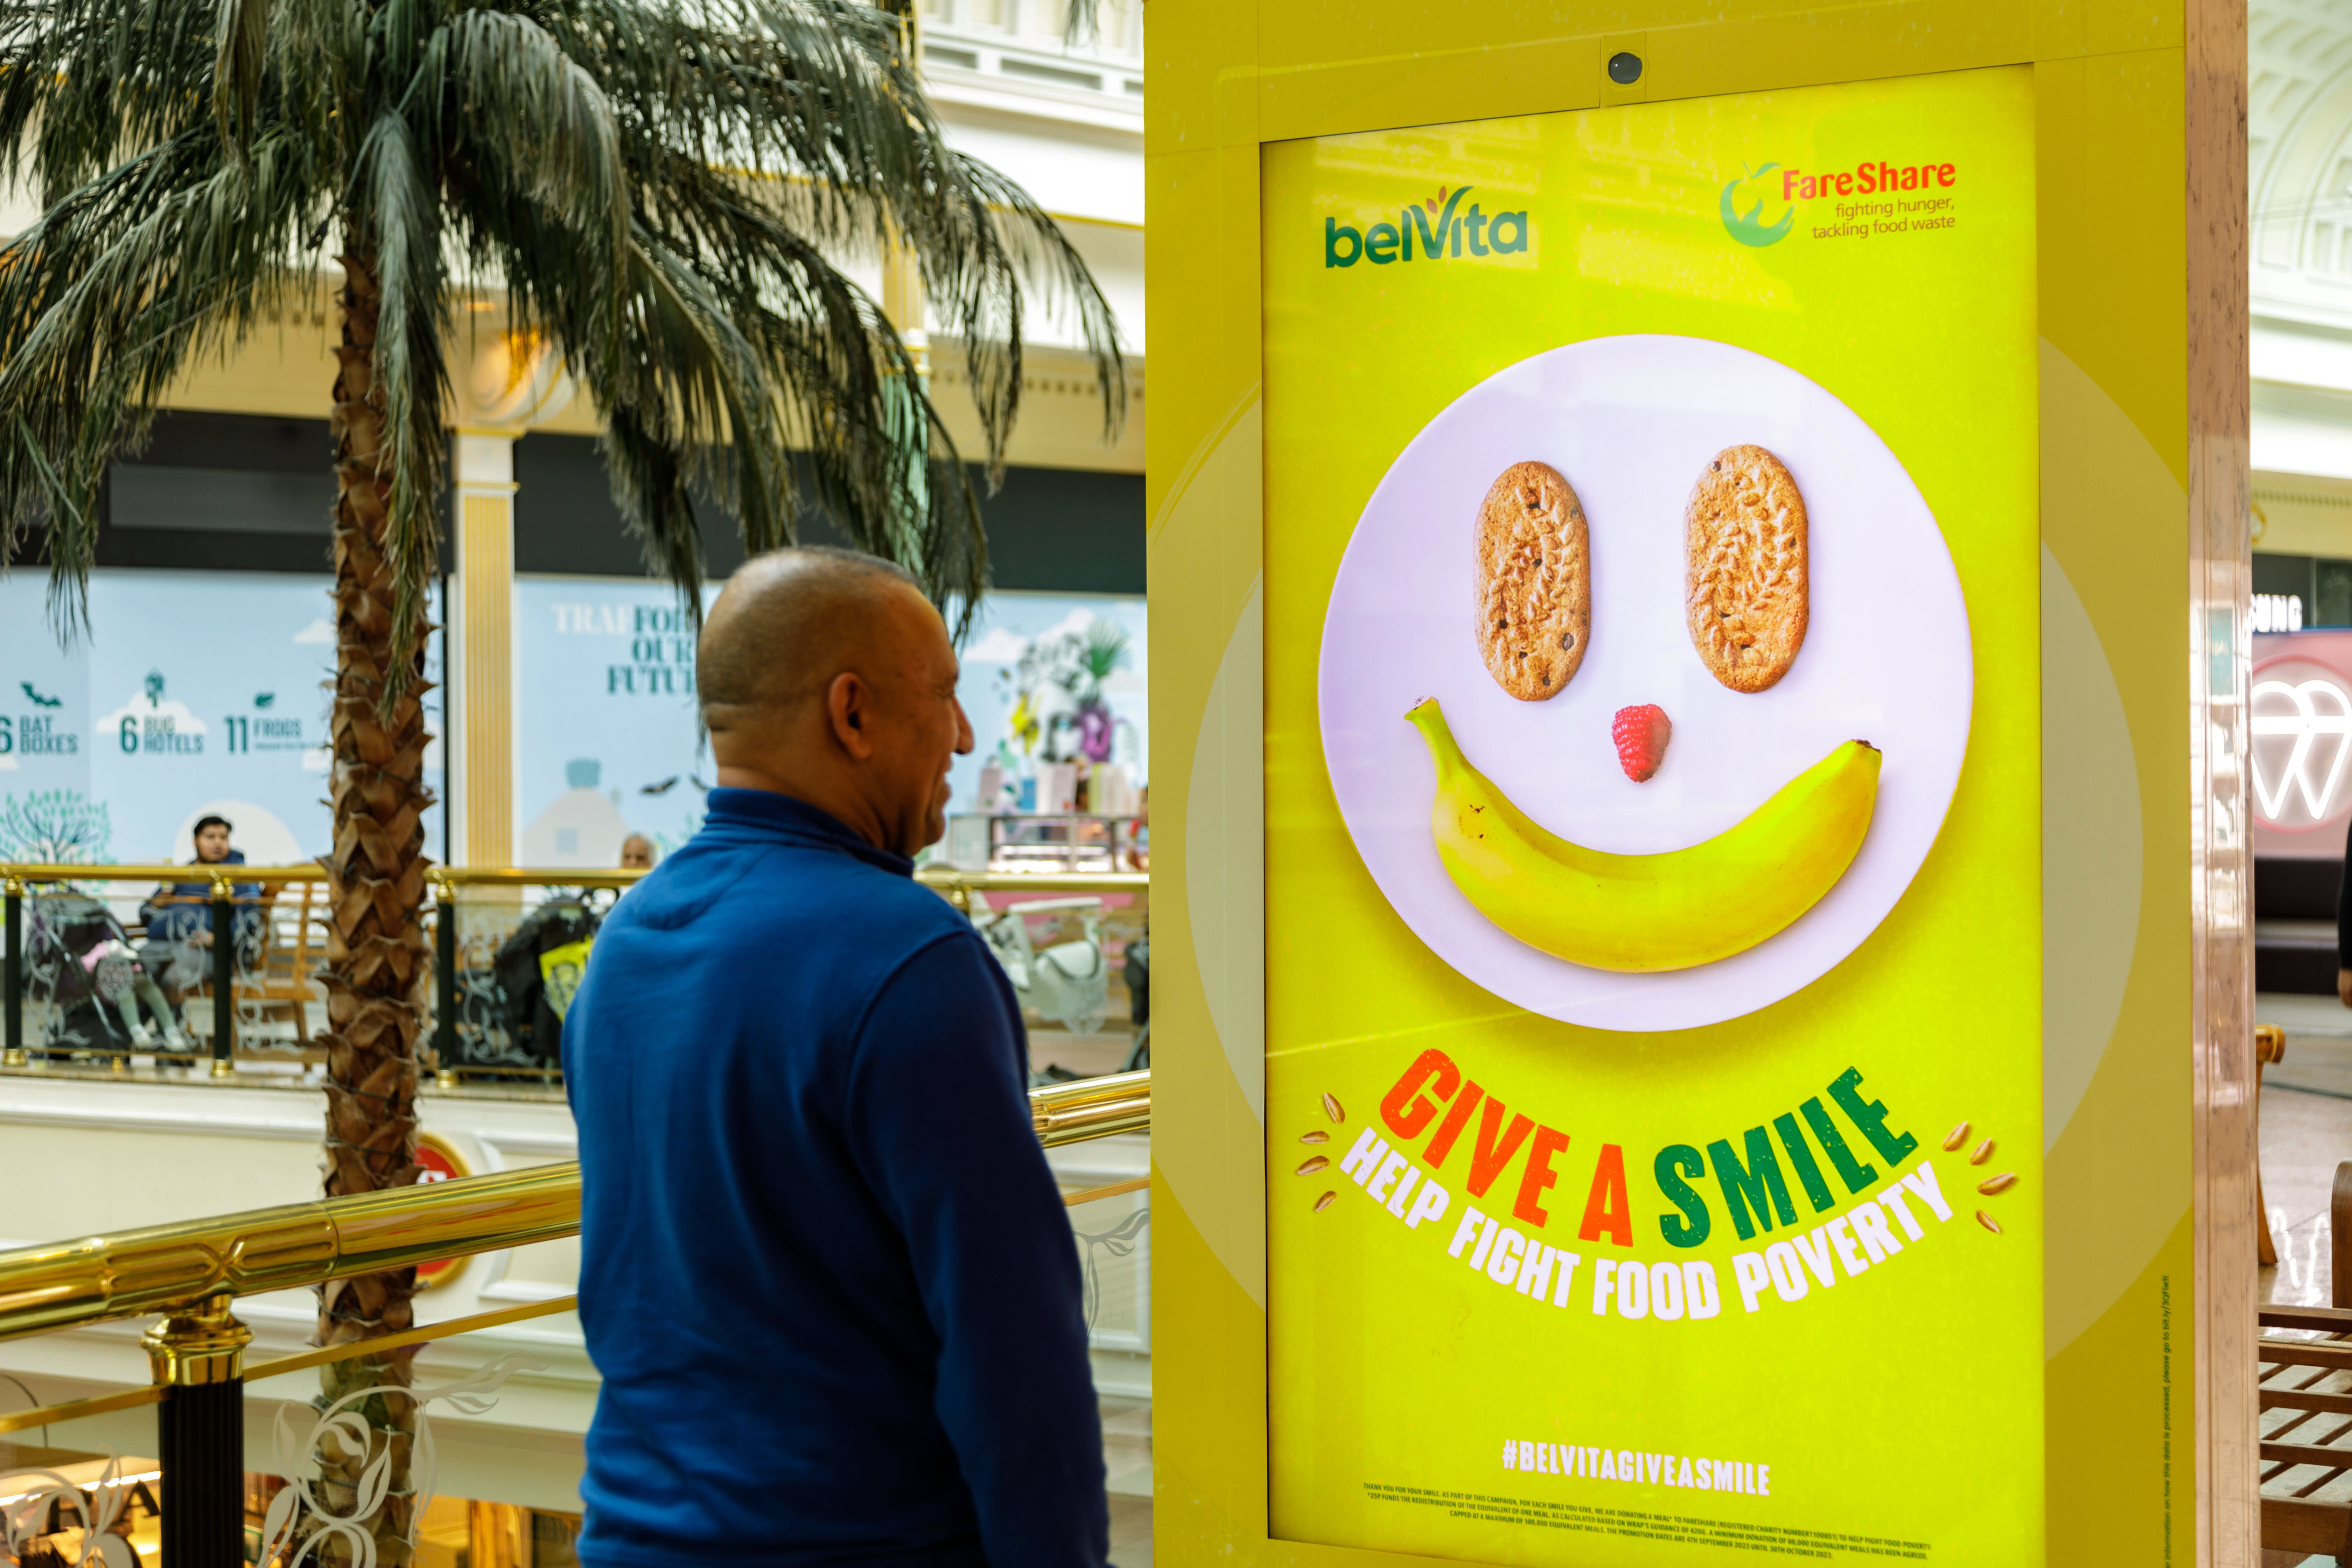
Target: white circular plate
[1631,422]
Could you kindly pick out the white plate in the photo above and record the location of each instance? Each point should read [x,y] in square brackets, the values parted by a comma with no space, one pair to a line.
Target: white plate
[1631,422]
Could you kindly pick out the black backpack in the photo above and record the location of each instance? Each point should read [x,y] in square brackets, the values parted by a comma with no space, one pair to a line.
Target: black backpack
[534,994]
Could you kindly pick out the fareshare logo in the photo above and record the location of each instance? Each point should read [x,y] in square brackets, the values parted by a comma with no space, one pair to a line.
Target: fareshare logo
[1443,228]
[1748,226]
[1908,202]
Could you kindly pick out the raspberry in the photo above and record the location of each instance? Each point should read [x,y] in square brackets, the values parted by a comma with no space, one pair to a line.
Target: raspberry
[1641,734]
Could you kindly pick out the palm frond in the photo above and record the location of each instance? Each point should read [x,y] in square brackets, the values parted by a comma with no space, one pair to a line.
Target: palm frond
[241,47]
[85,84]
[102,303]
[402,232]
[670,193]
[506,91]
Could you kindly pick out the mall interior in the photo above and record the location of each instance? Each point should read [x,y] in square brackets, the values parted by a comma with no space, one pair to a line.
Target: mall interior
[162,1086]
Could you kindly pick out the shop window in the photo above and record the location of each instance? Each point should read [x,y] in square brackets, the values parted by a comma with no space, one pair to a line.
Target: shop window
[457,1532]
[2332,593]
[552,1539]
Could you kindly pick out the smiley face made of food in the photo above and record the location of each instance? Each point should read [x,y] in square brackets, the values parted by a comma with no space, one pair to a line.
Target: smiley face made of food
[1745,553]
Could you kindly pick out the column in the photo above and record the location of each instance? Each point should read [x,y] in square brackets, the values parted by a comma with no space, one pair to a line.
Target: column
[902,274]
[483,730]
[902,300]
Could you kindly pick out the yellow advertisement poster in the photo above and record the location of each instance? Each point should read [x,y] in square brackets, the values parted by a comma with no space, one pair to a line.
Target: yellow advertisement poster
[1654,1071]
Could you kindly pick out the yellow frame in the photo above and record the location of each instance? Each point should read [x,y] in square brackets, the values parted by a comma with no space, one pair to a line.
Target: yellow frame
[2142,168]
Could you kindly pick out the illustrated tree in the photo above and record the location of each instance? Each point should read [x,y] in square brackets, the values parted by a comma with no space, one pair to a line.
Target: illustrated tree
[54,826]
[666,189]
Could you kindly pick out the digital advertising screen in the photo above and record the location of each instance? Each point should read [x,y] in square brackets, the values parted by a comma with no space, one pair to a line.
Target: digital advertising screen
[1652,863]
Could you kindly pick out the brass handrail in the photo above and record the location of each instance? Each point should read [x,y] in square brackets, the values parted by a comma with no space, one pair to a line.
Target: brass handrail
[448,1328]
[153,1393]
[24,873]
[160,1267]
[947,880]
[18,874]
[943,879]
[1091,1108]
[530,877]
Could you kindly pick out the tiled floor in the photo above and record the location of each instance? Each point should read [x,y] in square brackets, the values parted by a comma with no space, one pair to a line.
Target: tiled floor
[2304,1136]
[2306,1131]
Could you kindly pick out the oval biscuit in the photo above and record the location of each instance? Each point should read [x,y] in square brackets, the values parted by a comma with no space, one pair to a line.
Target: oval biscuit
[1534,581]
[1744,553]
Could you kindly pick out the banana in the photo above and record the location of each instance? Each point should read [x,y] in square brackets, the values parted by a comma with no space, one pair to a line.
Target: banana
[1643,913]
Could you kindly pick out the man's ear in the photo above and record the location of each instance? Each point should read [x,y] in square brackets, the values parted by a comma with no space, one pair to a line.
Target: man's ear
[849,709]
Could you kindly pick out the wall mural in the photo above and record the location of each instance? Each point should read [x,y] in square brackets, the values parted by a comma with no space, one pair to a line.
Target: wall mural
[1050,678]
[200,692]
[193,693]
[607,743]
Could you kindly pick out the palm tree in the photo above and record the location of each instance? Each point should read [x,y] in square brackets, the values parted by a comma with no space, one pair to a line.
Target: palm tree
[663,188]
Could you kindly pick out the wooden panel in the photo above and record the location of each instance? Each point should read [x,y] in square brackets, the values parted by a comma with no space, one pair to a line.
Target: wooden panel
[2220,659]
[2308,1454]
[2291,1524]
[2339,1233]
[2326,1320]
[2305,1352]
[2295,1399]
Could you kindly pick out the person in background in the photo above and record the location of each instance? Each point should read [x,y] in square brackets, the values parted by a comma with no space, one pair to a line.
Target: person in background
[637,853]
[179,917]
[825,1271]
[2344,929]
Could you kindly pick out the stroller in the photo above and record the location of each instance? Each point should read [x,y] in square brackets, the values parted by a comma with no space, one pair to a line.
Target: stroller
[1068,982]
[1138,1003]
[79,960]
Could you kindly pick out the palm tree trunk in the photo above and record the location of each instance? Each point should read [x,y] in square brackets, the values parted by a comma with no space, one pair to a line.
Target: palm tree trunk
[377,956]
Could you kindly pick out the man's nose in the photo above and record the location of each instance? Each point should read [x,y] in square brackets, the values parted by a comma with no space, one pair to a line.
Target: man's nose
[964,742]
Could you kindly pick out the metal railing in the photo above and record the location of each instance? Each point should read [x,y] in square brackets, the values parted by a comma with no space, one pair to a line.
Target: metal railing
[192,1271]
[17,881]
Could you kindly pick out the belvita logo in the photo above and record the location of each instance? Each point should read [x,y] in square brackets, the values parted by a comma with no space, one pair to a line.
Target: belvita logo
[1444,227]
[1748,226]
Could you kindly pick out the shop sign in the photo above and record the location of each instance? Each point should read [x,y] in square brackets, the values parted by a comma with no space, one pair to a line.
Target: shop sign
[2300,731]
[437,1160]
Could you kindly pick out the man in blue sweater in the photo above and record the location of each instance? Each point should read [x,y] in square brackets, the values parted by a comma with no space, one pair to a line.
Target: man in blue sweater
[825,1272]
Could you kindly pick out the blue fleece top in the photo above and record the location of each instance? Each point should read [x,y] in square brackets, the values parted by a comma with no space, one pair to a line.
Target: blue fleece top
[177,913]
[825,1272]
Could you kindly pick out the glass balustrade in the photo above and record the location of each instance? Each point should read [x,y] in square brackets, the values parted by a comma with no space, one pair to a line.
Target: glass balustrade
[172,971]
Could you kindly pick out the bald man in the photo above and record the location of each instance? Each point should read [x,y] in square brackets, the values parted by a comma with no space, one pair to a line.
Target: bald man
[824,1272]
